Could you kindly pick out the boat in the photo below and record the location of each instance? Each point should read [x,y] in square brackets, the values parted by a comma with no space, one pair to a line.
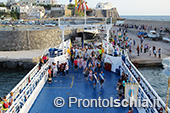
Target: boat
[33,94]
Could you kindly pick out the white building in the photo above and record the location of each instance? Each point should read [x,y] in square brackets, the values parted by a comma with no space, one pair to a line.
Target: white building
[24,9]
[45,2]
[15,7]
[36,12]
[27,2]
[104,6]
[3,9]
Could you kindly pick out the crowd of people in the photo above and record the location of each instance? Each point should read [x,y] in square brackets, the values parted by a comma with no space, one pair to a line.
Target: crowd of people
[124,42]
[145,27]
[87,59]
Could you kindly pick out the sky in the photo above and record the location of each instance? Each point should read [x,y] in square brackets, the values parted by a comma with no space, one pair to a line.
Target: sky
[133,7]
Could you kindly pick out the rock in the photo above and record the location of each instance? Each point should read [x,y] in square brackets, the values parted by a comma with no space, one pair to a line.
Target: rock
[28,65]
[20,64]
[11,64]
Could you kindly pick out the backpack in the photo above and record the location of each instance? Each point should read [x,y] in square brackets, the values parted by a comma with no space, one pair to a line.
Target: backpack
[5,105]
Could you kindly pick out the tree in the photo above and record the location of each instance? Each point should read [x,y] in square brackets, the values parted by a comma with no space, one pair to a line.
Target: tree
[79,13]
[71,6]
[2,5]
[14,15]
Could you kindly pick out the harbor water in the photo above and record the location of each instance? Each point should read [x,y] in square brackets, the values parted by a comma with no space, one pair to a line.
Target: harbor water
[9,79]
[157,79]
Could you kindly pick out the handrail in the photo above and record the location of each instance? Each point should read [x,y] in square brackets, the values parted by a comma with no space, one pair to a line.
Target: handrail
[155,111]
[147,84]
[22,81]
[22,94]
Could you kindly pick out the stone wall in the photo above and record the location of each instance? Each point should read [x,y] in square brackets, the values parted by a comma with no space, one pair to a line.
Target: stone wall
[30,39]
[106,13]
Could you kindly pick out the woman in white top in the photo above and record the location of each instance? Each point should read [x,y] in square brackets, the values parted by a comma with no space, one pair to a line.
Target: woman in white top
[55,70]
[84,64]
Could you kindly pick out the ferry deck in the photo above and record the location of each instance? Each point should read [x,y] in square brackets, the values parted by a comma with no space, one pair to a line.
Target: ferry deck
[74,85]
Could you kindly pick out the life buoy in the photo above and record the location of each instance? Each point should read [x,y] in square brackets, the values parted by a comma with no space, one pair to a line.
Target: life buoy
[138,79]
[161,110]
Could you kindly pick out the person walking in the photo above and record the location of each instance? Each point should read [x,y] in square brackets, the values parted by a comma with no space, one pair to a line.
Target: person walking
[137,50]
[159,52]
[141,48]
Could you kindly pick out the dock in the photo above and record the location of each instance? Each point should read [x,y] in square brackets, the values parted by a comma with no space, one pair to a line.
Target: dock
[144,60]
[20,59]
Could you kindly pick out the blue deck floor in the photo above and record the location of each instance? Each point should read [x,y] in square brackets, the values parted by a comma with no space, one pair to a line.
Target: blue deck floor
[75,86]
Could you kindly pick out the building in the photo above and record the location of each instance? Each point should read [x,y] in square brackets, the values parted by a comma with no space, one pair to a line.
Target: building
[46,2]
[28,11]
[104,10]
[60,11]
[10,2]
[4,3]
[15,7]
[31,12]
[27,2]
[3,9]
[104,6]
[36,12]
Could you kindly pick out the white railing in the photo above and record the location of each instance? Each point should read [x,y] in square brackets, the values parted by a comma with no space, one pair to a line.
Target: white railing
[145,85]
[141,93]
[26,97]
[20,86]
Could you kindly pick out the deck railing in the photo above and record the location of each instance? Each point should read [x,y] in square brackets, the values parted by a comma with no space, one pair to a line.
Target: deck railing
[141,93]
[20,86]
[24,90]
[147,88]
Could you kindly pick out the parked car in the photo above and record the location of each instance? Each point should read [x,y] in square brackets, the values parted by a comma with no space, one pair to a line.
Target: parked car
[144,34]
[153,35]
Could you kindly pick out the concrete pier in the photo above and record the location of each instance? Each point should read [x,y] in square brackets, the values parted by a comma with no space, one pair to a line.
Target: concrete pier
[20,59]
[144,59]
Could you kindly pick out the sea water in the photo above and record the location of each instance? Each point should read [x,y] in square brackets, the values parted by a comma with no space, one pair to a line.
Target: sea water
[157,79]
[144,17]
[9,79]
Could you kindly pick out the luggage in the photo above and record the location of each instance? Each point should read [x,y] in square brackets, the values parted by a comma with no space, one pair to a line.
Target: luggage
[108,66]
